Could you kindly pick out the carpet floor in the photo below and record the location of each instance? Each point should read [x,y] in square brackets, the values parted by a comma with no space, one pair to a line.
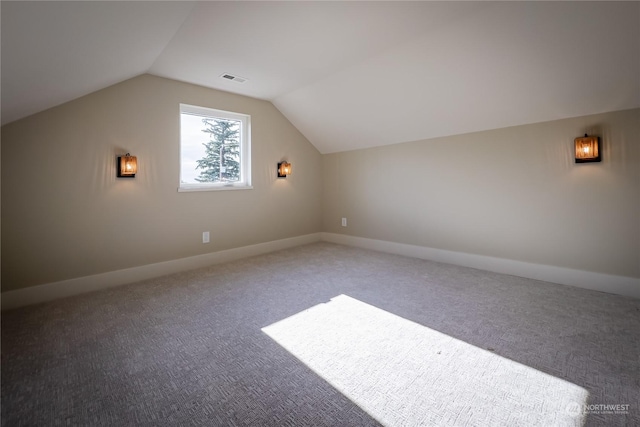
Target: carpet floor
[325,335]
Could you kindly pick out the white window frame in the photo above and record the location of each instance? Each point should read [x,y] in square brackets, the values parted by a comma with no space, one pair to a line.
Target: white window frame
[245,150]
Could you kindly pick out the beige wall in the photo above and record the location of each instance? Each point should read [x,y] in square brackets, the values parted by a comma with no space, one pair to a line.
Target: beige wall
[66,215]
[511,193]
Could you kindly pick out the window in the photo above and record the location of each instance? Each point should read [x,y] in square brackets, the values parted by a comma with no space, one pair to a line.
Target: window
[214,149]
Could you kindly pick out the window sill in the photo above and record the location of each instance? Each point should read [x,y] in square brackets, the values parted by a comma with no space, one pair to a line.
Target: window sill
[214,188]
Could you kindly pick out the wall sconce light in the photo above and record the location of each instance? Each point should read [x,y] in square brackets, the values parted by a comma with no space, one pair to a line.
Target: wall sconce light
[587,149]
[127,166]
[284,169]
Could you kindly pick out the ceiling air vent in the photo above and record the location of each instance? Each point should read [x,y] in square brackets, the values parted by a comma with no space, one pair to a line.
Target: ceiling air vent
[231,77]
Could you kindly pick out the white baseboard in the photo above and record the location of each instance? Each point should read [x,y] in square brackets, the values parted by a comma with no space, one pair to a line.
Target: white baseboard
[80,285]
[621,285]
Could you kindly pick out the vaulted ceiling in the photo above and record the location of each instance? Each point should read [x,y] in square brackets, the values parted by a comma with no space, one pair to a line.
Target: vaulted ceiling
[348,75]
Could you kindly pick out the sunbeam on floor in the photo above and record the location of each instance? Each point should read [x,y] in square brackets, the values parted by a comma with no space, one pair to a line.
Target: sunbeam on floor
[405,374]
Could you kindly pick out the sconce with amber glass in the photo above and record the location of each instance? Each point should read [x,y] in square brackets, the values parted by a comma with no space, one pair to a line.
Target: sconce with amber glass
[127,166]
[587,149]
[284,169]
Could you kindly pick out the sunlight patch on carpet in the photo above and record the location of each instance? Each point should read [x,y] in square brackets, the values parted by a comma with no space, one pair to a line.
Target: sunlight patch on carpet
[405,374]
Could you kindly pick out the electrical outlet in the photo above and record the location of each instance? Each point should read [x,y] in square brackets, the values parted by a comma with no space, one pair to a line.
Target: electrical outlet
[205,237]
[344,222]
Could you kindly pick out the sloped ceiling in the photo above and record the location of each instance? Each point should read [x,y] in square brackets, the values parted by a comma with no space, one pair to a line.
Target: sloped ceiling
[348,75]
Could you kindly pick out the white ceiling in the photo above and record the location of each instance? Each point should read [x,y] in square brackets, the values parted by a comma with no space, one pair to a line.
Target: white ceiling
[348,75]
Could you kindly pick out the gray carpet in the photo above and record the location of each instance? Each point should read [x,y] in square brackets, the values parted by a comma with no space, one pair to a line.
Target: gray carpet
[403,373]
[189,349]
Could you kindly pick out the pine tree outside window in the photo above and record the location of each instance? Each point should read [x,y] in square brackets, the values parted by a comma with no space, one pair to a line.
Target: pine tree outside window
[214,149]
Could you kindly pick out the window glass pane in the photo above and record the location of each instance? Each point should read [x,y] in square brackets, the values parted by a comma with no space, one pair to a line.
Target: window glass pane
[214,149]
[210,149]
